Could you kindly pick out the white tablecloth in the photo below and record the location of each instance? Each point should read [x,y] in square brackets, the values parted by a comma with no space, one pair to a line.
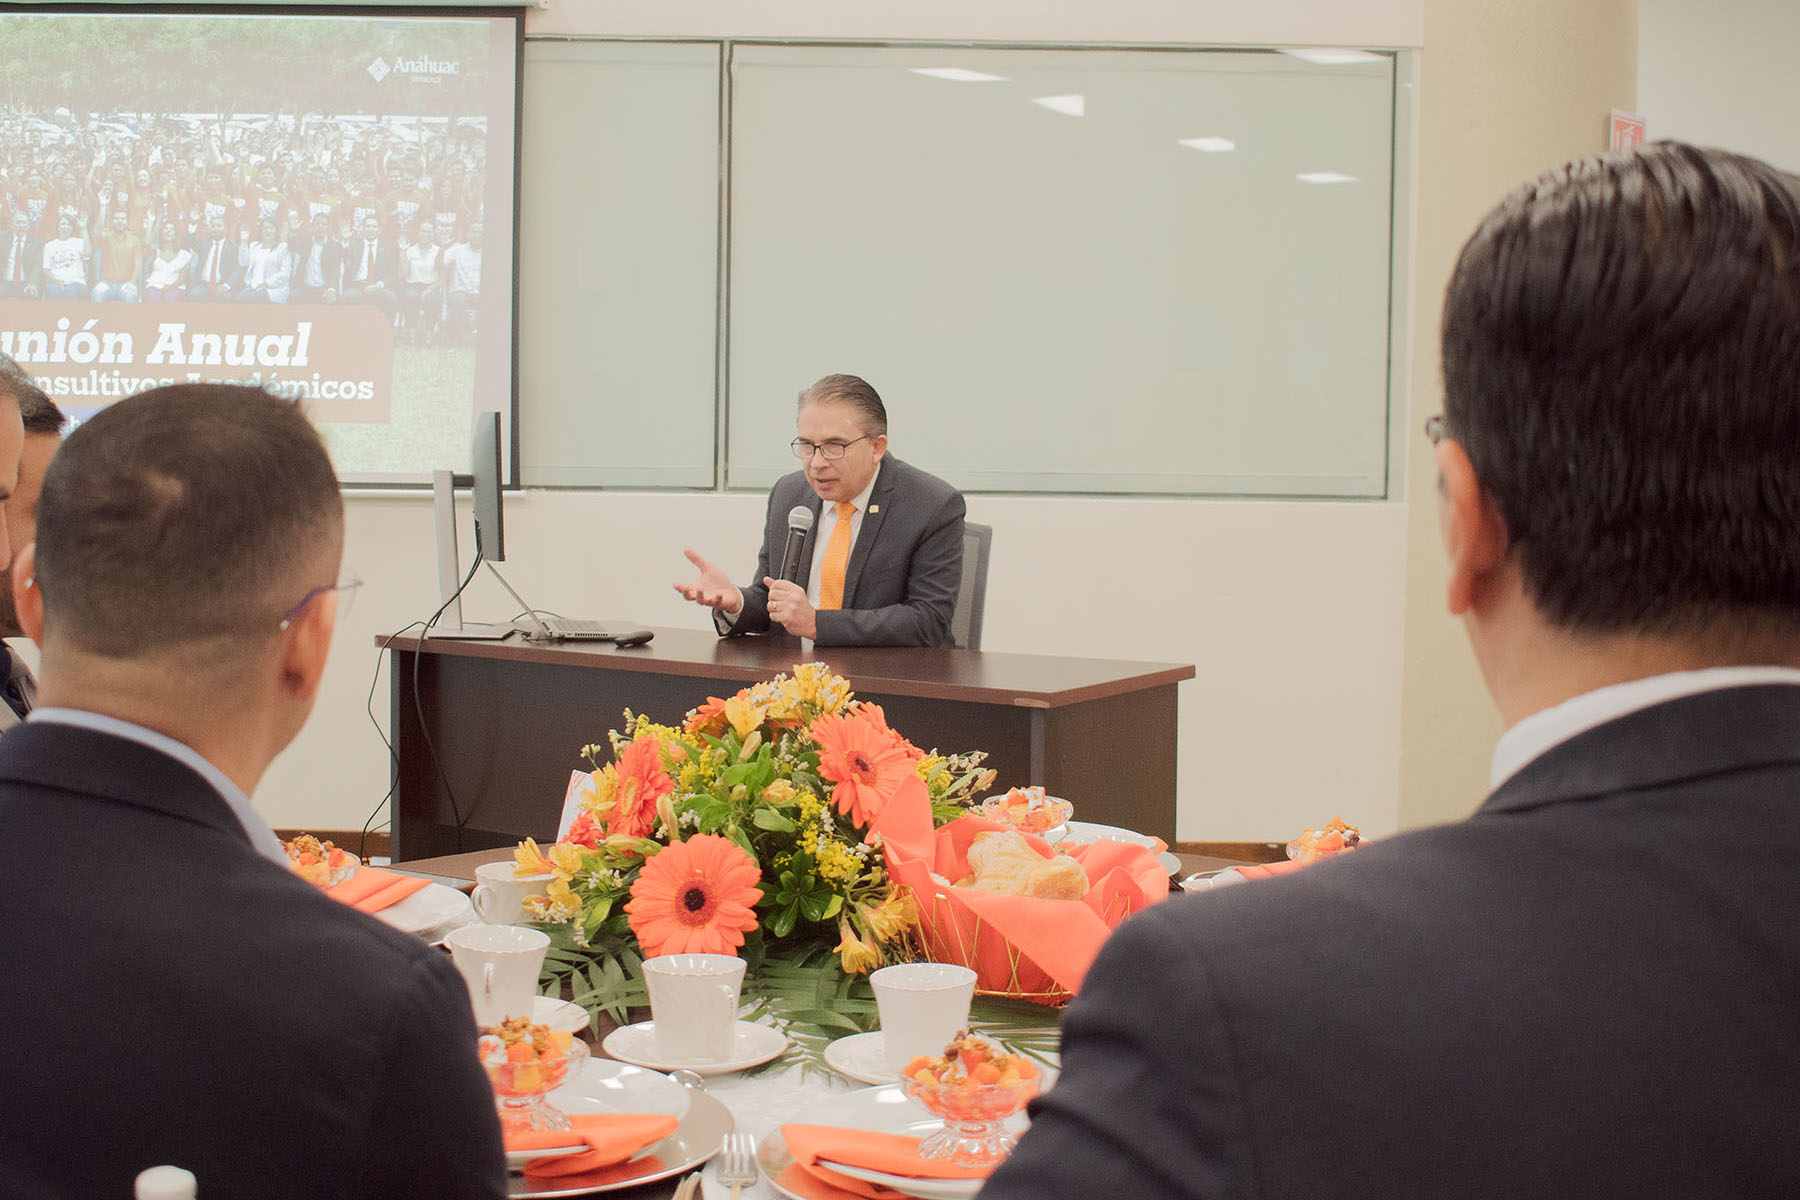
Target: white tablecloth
[763,1104]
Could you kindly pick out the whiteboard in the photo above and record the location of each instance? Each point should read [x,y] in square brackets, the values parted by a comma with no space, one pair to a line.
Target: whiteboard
[619,265]
[1055,285]
[1068,271]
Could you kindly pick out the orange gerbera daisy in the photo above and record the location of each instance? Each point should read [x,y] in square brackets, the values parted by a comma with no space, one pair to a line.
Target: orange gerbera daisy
[583,831]
[642,782]
[708,718]
[695,897]
[865,760]
[873,714]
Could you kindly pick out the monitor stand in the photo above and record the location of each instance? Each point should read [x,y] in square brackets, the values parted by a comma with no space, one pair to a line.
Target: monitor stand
[450,622]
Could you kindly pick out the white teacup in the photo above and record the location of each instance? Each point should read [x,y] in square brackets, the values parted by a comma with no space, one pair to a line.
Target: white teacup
[923,1006]
[693,1005]
[500,963]
[499,895]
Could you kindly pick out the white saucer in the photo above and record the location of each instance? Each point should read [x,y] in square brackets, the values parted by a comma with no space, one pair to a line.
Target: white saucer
[752,1044]
[559,1015]
[862,1057]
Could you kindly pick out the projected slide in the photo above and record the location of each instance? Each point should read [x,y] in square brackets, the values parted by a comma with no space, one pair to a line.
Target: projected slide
[322,205]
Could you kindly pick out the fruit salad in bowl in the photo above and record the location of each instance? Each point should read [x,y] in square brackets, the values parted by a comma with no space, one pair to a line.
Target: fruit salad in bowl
[320,863]
[975,1085]
[1029,810]
[1338,837]
[525,1062]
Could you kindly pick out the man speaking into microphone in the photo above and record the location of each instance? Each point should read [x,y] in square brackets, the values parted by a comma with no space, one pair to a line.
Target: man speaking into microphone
[869,548]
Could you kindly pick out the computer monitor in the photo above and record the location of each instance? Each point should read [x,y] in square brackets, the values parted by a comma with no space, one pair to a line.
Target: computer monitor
[490,533]
[489,471]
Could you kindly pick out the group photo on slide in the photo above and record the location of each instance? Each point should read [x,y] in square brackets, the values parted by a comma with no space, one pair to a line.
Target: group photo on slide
[266,208]
[322,234]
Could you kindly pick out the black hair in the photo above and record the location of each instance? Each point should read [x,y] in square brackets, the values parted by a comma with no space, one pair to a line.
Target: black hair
[184,513]
[1621,348]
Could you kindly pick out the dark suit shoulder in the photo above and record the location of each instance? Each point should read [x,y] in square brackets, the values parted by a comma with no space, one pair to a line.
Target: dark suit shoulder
[920,484]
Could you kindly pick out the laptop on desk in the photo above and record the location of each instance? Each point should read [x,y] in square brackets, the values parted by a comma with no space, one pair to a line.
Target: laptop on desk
[551,628]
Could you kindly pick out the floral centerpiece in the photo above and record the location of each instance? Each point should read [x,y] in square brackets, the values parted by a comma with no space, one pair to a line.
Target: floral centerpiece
[746,828]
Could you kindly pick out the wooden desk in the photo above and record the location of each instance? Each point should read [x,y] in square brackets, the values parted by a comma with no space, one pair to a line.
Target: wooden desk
[498,726]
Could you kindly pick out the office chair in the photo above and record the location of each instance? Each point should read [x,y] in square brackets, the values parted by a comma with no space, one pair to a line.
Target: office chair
[971,593]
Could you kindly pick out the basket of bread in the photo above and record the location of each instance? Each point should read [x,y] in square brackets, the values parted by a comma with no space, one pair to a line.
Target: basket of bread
[1028,917]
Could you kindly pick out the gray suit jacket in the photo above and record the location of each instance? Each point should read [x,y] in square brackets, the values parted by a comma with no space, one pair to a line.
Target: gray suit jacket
[900,584]
[1590,988]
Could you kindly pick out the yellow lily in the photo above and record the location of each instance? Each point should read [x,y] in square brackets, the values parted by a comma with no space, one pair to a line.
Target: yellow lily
[744,715]
[892,917]
[856,955]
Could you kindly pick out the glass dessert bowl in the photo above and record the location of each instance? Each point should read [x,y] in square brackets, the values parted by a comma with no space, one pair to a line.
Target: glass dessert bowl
[526,1062]
[1029,810]
[974,1087]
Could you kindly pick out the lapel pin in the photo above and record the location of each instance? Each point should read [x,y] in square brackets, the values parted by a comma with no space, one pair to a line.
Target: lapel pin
[874,508]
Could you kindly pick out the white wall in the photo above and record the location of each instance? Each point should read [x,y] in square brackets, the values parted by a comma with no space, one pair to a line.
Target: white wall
[1721,74]
[1291,612]
[1507,90]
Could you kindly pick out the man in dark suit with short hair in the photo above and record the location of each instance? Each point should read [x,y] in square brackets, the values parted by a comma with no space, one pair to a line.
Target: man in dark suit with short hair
[21,261]
[273,1041]
[218,272]
[373,271]
[1589,987]
[884,557]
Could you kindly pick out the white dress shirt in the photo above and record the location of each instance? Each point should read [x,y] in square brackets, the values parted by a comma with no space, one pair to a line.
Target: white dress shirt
[1553,726]
[821,538]
[261,836]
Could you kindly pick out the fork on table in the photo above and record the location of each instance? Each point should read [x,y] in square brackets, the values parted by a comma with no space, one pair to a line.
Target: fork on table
[737,1162]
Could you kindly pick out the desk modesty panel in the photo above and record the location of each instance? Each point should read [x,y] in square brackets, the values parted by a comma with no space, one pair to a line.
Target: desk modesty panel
[486,733]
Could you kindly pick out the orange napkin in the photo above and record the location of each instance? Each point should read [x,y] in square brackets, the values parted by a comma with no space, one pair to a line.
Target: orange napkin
[1042,946]
[889,1152]
[371,889]
[1266,870]
[610,1138]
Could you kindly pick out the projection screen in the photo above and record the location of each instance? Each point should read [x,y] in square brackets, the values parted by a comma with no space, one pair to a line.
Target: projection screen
[320,203]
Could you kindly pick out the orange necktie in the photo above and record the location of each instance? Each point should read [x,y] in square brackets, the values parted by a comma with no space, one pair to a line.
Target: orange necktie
[837,558]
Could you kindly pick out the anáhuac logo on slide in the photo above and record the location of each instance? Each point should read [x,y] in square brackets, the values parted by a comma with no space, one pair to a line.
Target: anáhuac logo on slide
[423,69]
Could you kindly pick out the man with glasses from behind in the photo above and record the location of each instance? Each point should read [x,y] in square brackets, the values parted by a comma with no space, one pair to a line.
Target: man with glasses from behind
[273,1041]
[883,560]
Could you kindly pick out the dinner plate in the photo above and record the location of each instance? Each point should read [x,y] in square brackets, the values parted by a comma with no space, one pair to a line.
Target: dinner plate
[884,1109]
[752,1044]
[518,1158]
[431,912]
[925,1189]
[605,1086]
[1081,832]
[703,1127]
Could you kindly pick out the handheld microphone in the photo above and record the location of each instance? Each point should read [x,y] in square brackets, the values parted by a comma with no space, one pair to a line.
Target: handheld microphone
[800,522]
